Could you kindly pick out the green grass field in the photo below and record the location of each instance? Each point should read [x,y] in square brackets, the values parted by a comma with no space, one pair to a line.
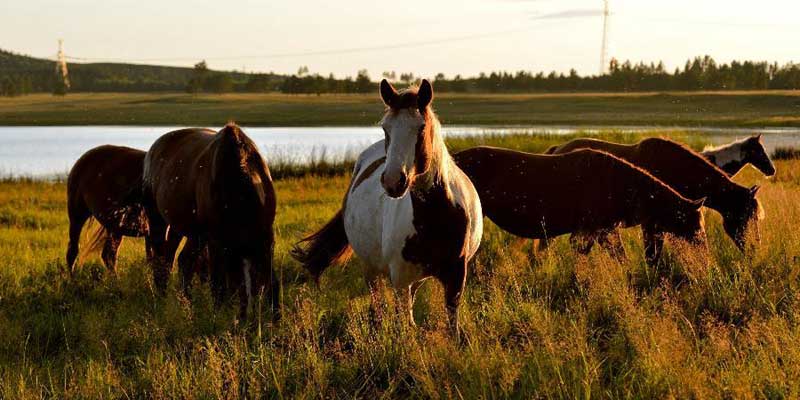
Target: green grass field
[728,109]
[552,325]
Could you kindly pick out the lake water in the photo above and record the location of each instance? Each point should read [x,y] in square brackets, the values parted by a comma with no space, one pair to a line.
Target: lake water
[49,151]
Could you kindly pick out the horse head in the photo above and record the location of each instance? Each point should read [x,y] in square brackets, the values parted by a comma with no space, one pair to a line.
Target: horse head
[754,152]
[408,126]
[745,217]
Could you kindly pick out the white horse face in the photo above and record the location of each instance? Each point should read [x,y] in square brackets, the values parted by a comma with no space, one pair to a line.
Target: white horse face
[402,129]
[407,138]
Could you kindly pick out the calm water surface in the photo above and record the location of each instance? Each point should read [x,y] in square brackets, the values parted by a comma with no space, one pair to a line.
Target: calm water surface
[48,151]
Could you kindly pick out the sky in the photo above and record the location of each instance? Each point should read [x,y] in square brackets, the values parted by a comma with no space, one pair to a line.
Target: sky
[424,37]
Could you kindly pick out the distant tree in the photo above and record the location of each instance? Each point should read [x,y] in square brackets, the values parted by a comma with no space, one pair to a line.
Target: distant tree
[218,83]
[407,78]
[59,87]
[363,84]
[258,83]
[198,79]
[439,77]
[390,75]
[302,70]
[8,87]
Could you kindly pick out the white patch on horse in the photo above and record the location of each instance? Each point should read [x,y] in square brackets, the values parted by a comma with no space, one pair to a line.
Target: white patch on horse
[726,153]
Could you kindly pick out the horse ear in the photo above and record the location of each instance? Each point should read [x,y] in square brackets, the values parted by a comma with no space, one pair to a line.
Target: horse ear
[754,189]
[424,94]
[758,137]
[388,93]
[699,202]
[232,131]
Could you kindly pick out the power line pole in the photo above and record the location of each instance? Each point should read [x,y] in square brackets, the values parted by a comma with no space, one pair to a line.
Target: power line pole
[61,64]
[604,48]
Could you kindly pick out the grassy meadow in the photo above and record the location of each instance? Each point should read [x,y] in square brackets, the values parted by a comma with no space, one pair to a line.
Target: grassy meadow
[552,325]
[725,109]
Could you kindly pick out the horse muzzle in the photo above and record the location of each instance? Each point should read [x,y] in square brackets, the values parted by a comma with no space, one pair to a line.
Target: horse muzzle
[395,188]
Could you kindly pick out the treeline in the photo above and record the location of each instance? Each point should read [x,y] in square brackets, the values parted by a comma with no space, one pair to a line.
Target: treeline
[21,75]
[701,73]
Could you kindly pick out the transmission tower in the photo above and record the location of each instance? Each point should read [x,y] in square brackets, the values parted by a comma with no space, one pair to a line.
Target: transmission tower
[61,64]
[604,47]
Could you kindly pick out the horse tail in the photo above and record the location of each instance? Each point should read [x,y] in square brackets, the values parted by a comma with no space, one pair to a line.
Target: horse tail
[327,246]
[551,150]
[94,239]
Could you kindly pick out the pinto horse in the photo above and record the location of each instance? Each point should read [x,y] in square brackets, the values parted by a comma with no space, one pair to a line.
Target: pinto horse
[216,190]
[732,157]
[409,212]
[691,175]
[585,191]
[105,184]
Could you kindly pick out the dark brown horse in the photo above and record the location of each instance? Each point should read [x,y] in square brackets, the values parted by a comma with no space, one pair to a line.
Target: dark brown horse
[691,175]
[215,189]
[105,184]
[586,191]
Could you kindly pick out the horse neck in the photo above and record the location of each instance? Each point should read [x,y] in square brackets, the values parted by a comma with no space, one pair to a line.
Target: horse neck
[657,198]
[231,174]
[441,162]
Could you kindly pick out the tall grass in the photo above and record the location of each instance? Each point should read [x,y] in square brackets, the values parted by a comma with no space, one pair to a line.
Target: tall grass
[553,325]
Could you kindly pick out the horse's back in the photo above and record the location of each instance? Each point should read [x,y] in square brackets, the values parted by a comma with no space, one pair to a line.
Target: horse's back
[174,151]
[172,168]
[105,177]
[534,195]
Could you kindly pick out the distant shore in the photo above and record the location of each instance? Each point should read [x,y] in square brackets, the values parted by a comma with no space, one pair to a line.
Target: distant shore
[686,109]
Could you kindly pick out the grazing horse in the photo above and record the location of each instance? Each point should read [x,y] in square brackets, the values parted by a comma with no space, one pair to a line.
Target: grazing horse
[216,190]
[409,212]
[732,157]
[689,174]
[585,192]
[105,184]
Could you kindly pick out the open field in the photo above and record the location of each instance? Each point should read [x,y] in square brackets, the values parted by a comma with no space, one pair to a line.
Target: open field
[728,109]
[554,325]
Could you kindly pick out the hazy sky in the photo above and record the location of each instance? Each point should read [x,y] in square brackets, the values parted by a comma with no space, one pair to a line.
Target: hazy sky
[424,37]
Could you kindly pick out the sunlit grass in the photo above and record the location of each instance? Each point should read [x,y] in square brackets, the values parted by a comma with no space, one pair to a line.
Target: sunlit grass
[551,325]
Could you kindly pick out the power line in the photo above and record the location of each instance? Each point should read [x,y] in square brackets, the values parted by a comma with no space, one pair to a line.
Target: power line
[349,50]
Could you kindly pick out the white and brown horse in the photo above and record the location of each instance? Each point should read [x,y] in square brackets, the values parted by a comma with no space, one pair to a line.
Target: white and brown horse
[409,213]
[732,157]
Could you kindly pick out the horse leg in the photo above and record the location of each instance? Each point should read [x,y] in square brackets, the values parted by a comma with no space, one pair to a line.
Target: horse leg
[582,242]
[542,245]
[273,281]
[653,246]
[110,250]
[188,262]
[412,293]
[78,214]
[611,241]
[217,264]
[148,249]
[454,279]
[374,286]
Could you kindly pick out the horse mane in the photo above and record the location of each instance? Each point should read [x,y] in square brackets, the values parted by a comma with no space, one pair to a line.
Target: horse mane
[247,160]
[658,182]
[726,146]
[689,154]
